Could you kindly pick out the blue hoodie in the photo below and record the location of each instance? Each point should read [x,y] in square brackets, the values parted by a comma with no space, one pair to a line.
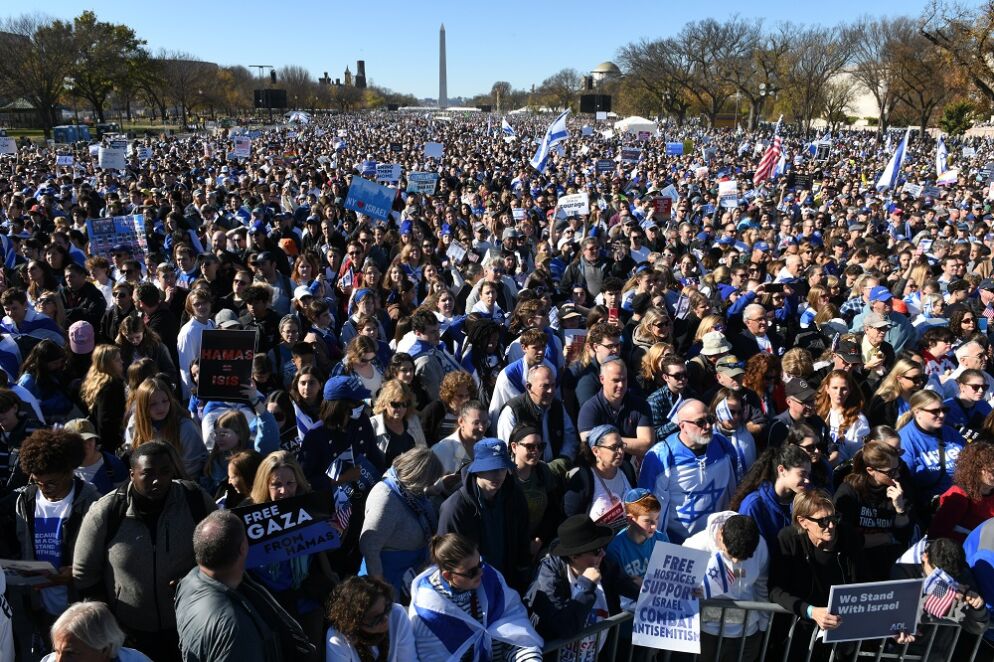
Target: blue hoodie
[766,510]
[920,451]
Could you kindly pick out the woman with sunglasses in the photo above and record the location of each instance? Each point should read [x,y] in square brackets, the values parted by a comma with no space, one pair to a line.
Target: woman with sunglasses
[577,585]
[872,500]
[395,422]
[895,391]
[654,327]
[817,552]
[602,477]
[366,624]
[541,487]
[459,593]
[929,446]
[970,501]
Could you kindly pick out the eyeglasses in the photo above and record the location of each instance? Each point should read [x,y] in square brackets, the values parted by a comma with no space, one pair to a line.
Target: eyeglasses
[50,484]
[679,376]
[939,411]
[967,320]
[533,448]
[824,522]
[890,472]
[661,323]
[473,573]
[812,449]
[612,347]
[122,295]
[617,448]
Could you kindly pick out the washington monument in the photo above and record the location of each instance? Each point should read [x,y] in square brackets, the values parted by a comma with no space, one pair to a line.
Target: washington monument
[442,92]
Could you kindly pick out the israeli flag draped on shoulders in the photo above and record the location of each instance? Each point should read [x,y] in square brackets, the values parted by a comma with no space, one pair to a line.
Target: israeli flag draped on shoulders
[36,325]
[888,179]
[10,253]
[444,631]
[555,134]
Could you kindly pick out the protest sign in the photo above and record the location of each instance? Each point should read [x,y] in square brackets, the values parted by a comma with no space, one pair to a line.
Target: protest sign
[670,192]
[285,529]
[914,190]
[577,204]
[144,153]
[455,252]
[94,150]
[587,130]
[801,182]
[701,172]
[518,213]
[969,152]
[674,149]
[105,233]
[874,610]
[643,135]
[388,172]
[667,613]
[369,198]
[604,165]
[728,193]
[396,147]
[64,160]
[422,182]
[630,154]
[663,206]
[225,364]
[243,147]
[434,150]
[600,115]
[608,134]
[112,158]
[8,145]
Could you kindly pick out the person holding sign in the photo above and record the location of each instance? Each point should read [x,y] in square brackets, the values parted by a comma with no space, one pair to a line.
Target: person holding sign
[812,555]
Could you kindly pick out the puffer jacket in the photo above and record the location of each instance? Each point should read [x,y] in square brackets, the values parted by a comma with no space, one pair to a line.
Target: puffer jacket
[131,572]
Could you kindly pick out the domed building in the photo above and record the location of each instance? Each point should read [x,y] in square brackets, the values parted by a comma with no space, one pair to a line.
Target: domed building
[605,71]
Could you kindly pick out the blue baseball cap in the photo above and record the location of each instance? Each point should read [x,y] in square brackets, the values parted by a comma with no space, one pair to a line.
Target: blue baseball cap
[405,227]
[345,388]
[761,246]
[880,293]
[490,454]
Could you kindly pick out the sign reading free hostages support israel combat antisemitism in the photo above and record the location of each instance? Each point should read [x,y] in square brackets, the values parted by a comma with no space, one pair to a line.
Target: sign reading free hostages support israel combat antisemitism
[288,528]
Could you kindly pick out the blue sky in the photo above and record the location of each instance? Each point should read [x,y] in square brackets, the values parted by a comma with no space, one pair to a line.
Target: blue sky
[515,40]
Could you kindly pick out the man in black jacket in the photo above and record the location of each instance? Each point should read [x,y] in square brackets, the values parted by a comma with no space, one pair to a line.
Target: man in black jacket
[539,407]
[491,510]
[81,298]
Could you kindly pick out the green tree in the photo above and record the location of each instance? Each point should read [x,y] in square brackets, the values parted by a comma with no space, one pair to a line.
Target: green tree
[957,117]
[103,51]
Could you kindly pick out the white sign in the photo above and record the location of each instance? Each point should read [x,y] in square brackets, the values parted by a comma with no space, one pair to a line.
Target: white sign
[94,150]
[587,131]
[667,613]
[455,252]
[144,153]
[600,115]
[518,213]
[64,160]
[728,193]
[701,172]
[969,152]
[243,147]
[388,172]
[112,158]
[577,204]
[434,150]
[670,192]
[914,190]
[422,182]
[8,145]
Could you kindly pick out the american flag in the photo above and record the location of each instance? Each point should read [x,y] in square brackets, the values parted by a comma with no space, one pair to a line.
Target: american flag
[768,162]
[940,593]
[989,315]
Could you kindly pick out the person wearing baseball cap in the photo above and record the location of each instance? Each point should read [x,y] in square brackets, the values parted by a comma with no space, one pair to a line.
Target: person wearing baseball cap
[490,510]
[901,333]
[800,411]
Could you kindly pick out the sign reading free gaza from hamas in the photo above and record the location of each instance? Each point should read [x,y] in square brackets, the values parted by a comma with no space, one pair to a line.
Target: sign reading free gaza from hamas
[288,528]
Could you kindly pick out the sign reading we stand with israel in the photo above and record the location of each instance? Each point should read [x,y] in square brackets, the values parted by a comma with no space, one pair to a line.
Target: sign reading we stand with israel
[667,612]
[874,610]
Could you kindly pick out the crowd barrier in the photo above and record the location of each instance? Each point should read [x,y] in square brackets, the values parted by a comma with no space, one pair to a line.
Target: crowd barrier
[959,645]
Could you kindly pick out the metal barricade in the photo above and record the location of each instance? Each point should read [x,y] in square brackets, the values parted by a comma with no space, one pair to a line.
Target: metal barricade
[937,641]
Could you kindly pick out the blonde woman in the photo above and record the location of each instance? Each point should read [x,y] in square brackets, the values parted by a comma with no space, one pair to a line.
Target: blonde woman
[895,390]
[797,363]
[395,423]
[360,361]
[929,447]
[654,327]
[102,393]
[158,416]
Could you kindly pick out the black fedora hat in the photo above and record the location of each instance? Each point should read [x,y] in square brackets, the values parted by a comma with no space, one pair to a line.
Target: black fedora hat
[579,534]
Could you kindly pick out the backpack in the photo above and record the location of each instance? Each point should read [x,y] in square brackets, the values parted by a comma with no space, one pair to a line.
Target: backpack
[194,501]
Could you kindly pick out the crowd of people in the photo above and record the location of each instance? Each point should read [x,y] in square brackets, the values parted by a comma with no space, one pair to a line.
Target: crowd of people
[507,405]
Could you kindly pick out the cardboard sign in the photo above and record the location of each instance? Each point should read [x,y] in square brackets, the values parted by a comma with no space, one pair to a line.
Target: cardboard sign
[604,165]
[225,364]
[674,149]
[969,152]
[630,154]
[105,233]
[663,206]
[422,182]
[434,150]
[285,529]
[8,145]
[243,147]
[874,610]
[932,191]
[388,172]
[369,198]
[577,204]
[455,252]
[667,615]
[112,158]
[64,160]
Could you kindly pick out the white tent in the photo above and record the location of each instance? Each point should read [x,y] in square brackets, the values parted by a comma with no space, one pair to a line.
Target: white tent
[635,124]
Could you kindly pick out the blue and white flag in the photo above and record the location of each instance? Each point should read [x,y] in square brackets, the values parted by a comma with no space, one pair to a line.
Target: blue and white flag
[555,134]
[507,128]
[888,180]
[941,157]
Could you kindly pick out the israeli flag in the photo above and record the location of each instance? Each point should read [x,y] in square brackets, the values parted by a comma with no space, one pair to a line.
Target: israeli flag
[888,180]
[781,166]
[507,128]
[941,157]
[555,134]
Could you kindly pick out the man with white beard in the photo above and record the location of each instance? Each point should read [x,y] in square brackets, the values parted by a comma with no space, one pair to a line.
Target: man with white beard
[691,472]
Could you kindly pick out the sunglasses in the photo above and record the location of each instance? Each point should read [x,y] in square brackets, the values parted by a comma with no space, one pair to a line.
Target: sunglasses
[377,619]
[680,376]
[473,573]
[890,473]
[534,448]
[704,422]
[824,522]
[975,387]
[399,405]
[939,411]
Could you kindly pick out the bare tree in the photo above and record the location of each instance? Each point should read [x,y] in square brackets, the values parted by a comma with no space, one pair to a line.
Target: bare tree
[816,57]
[658,67]
[967,35]
[298,84]
[922,77]
[838,96]
[185,78]
[346,97]
[711,50]
[36,56]
[875,41]
[562,87]
[500,91]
